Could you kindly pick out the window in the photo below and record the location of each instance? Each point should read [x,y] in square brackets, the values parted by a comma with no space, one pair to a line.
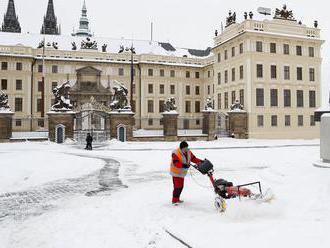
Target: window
[197,74]
[161,89]
[187,89]
[259,46]
[197,106]
[4,84]
[40,68]
[161,106]
[311,51]
[18,122]
[241,97]
[41,123]
[286,49]
[54,85]
[121,71]
[300,120]
[226,76]
[273,72]
[226,54]
[19,84]
[133,105]
[311,74]
[150,122]
[54,69]
[172,89]
[219,57]
[208,90]
[219,78]
[260,119]
[18,104]
[161,73]
[241,72]
[219,101]
[172,73]
[209,74]
[312,120]
[134,88]
[286,72]
[298,50]
[40,86]
[274,121]
[187,74]
[226,100]
[150,106]
[150,88]
[299,73]
[241,48]
[312,99]
[150,72]
[39,105]
[197,90]
[273,97]
[259,71]
[260,97]
[198,122]
[300,98]
[19,66]
[287,120]
[233,51]
[233,75]
[233,97]
[272,47]
[188,106]
[4,66]
[287,98]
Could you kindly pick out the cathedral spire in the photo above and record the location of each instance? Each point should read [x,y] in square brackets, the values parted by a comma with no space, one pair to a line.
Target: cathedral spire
[50,21]
[83,23]
[10,22]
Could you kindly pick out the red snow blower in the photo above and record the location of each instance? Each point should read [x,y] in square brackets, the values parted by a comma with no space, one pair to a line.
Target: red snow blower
[225,189]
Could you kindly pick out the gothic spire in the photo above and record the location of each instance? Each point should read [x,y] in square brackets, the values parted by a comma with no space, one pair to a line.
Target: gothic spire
[10,22]
[50,21]
[83,23]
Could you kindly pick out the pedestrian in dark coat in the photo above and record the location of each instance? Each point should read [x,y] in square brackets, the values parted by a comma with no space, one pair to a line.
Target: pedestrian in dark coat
[89,141]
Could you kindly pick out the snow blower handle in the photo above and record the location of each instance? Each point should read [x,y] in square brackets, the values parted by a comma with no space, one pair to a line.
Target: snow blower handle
[205,167]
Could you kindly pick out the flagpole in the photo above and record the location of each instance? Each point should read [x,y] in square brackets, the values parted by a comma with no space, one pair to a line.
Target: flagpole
[132,75]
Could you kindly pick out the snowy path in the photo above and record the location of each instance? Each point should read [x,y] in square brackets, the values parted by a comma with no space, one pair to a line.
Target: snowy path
[35,201]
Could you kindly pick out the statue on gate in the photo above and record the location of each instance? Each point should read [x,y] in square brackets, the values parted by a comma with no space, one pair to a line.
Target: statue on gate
[237,106]
[62,99]
[170,105]
[209,104]
[4,101]
[119,99]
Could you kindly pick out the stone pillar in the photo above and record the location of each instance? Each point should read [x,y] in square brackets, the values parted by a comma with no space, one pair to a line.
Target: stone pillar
[324,142]
[238,124]
[170,125]
[6,126]
[121,121]
[209,123]
[55,119]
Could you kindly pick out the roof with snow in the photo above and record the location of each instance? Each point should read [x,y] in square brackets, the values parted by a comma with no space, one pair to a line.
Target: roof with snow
[64,42]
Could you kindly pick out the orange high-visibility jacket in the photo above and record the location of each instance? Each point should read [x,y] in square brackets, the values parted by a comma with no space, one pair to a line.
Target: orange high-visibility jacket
[178,160]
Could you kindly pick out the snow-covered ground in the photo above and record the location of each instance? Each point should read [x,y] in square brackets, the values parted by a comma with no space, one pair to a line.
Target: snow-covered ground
[137,216]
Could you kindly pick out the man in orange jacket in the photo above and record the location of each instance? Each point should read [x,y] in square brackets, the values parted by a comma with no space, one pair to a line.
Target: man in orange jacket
[181,159]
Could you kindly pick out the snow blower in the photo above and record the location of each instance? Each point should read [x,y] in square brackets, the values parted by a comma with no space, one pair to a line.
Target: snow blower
[226,190]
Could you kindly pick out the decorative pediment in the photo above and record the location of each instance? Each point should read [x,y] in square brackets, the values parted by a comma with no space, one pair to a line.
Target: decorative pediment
[89,70]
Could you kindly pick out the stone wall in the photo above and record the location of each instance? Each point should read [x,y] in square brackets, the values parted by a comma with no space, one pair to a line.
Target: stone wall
[6,126]
[238,124]
[66,119]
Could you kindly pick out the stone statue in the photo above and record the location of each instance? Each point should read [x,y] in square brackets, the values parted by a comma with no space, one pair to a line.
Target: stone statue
[74,46]
[3,101]
[284,14]
[231,19]
[236,106]
[62,100]
[55,45]
[121,49]
[41,44]
[216,33]
[316,24]
[104,48]
[88,44]
[169,105]
[251,15]
[119,99]
[209,104]
[245,15]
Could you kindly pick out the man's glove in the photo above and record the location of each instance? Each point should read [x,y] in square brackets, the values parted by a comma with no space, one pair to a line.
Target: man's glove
[186,166]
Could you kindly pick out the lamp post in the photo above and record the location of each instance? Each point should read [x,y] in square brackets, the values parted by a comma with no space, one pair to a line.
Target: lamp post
[132,49]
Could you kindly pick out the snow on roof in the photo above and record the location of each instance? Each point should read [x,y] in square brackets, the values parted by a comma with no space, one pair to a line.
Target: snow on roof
[64,42]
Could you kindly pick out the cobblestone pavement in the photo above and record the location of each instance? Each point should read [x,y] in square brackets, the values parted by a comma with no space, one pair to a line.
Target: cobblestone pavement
[35,201]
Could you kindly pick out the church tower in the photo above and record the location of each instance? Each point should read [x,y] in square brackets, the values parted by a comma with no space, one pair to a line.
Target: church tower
[50,21]
[10,21]
[83,23]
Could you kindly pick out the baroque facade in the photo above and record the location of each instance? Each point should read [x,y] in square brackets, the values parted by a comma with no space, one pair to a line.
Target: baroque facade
[272,66]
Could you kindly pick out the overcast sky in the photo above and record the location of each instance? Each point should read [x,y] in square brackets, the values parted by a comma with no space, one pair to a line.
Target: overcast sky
[185,23]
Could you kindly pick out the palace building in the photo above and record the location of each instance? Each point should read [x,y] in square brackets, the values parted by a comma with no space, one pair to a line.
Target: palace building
[272,66]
